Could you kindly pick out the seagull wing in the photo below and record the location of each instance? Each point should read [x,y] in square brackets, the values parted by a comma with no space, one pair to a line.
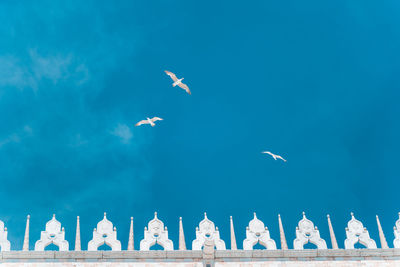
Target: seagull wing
[173,76]
[156,119]
[141,122]
[267,152]
[185,87]
[279,157]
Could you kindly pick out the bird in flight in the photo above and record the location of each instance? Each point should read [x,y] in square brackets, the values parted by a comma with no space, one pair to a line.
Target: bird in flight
[178,82]
[274,156]
[149,121]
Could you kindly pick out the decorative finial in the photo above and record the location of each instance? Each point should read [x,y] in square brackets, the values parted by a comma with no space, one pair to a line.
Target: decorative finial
[233,236]
[255,216]
[25,246]
[54,216]
[131,245]
[182,243]
[381,234]
[352,214]
[205,215]
[304,214]
[78,235]
[284,245]
[155,215]
[332,234]
[105,215]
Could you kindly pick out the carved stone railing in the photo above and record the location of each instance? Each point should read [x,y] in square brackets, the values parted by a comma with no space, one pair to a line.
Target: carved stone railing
[207,236]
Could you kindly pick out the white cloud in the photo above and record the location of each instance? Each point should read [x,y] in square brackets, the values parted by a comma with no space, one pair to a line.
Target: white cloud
[124,132]
[55,67]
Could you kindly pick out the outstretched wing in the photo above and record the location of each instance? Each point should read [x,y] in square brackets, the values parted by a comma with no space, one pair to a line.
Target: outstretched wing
[279,157]
[141,122]
[267,152]
[170,74]
[156,119]
[185,87]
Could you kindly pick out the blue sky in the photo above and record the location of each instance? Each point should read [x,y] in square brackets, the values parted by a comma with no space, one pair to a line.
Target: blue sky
[314,81]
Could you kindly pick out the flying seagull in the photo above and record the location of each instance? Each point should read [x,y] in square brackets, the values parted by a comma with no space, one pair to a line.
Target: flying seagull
[178,82]
[274,156]
[149,121]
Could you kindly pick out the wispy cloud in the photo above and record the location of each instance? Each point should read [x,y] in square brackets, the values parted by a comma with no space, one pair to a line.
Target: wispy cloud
[123,132]
[29,73]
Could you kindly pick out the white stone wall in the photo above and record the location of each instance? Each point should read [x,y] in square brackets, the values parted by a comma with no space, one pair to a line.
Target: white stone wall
[368,263]
[104,264]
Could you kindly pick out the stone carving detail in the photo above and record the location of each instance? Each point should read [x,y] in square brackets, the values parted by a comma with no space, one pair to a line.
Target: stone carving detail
[207,231]
[105,233]
[307,232]
[396,228]
[53,234]
[356,232]
[4,243]
[256,232]
[156,234]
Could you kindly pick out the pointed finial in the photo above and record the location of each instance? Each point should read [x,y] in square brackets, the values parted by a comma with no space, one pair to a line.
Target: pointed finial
[304,215]
[155,215]
[78,235]
[25,246]
[182,243]
[352,215]
[105,215]
[54,216]
[381,234]
[130,241]
[205,215]
[284,245]
[255,216]
[233,237]
[332,234]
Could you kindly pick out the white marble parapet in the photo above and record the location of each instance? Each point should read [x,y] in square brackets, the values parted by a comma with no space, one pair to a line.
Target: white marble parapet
[256,232]
[197,256]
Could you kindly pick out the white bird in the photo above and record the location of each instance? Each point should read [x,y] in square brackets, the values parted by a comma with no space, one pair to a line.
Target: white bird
[178,82]
[274,156]
[149,121]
